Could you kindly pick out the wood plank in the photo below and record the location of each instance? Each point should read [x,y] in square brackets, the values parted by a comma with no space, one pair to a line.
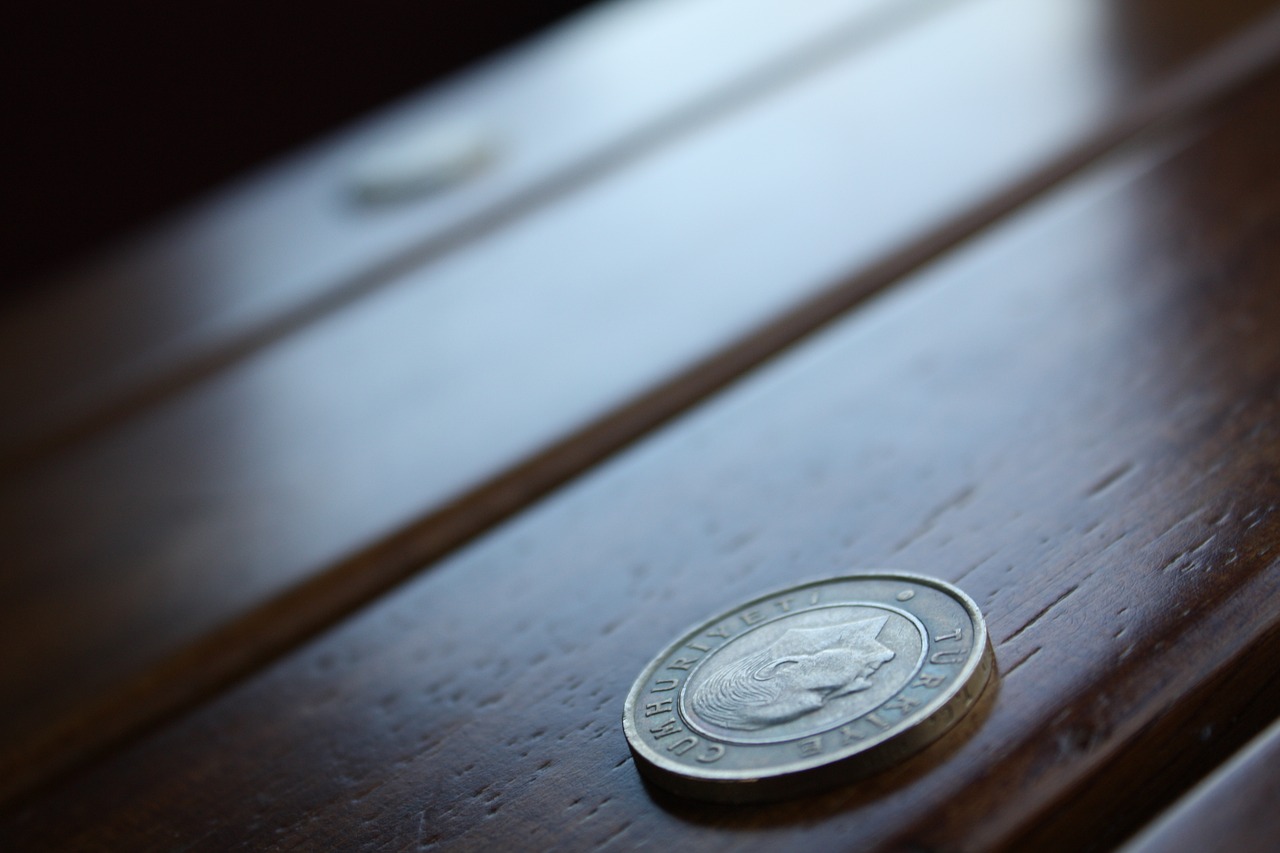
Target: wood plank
[1076,418]
[288,245]
[164,557]
[92,119]
[1234,809]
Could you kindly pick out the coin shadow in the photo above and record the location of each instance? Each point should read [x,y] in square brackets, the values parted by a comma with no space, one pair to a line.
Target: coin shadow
[856,794]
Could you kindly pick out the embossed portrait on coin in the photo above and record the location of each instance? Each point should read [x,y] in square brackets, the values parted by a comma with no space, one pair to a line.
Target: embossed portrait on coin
[800,672]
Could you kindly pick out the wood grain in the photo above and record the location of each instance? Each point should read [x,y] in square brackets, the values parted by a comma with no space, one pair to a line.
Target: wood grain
[1076,418]
[1234,809]
[161,558]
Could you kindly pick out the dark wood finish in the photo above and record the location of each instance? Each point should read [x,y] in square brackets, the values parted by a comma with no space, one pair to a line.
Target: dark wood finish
[1074,417]
[116,113]
[1234,809]
[277,251]
[165,556]
[286,246]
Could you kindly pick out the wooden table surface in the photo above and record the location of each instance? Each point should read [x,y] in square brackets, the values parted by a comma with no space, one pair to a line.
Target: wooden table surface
[1234,809]
[285,247]
[375,568]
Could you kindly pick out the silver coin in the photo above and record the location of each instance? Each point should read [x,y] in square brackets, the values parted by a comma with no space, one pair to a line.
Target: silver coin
[808,687]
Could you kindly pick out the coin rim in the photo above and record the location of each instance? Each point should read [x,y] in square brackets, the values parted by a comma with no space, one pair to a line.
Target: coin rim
[832,768]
